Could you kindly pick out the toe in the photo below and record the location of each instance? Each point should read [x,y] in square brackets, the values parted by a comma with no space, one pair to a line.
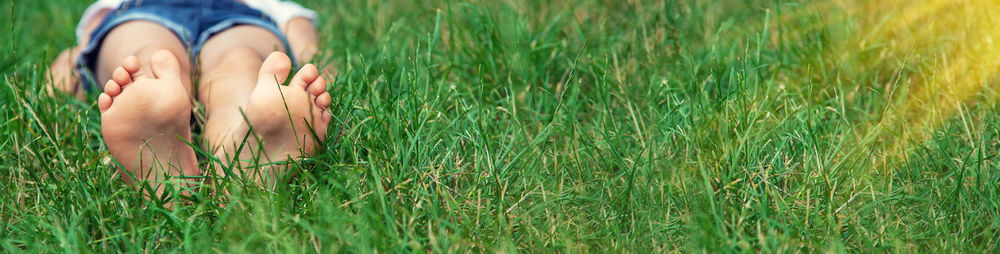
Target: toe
[318,86]
[111,88]
[305,76]
[104,102]
[321,121]
[121,76]
[327,115]
[131,64]
[275,67]
[323,100]
[165,64]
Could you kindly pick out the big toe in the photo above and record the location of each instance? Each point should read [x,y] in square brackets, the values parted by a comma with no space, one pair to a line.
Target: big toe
[275,67]
[165,64]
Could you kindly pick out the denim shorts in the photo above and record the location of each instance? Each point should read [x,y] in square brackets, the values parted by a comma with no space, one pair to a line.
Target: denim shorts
[192,21]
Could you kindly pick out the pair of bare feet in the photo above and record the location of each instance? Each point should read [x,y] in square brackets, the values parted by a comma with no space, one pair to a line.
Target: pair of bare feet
[145,121]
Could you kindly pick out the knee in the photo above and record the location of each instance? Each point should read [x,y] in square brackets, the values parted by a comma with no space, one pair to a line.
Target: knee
[145,56]
[239,57]
[240,54]
[148,50]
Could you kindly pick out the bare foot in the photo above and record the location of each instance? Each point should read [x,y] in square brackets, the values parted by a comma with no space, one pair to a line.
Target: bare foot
[144,118]
[283,119]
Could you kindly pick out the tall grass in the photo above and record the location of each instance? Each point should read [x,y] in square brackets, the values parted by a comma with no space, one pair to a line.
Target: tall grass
[564,126]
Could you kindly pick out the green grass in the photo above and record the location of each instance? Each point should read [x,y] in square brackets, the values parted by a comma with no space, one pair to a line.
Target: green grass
[557,126]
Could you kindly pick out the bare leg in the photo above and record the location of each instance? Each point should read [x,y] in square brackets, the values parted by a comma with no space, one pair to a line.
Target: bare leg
[145,107]
[233,70]
[230,61]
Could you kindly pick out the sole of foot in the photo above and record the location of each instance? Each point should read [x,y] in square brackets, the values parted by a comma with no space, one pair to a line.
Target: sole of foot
[283,118]
[145,118]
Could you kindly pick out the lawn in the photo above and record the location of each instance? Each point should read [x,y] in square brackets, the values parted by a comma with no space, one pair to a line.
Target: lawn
[565,126]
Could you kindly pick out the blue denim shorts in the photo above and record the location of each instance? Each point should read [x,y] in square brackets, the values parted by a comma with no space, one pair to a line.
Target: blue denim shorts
[192,21]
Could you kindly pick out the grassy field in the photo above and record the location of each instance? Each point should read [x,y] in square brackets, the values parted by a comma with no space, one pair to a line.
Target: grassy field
[567,126]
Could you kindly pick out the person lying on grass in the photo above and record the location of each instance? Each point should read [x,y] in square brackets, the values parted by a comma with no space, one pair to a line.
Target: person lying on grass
[140,56]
